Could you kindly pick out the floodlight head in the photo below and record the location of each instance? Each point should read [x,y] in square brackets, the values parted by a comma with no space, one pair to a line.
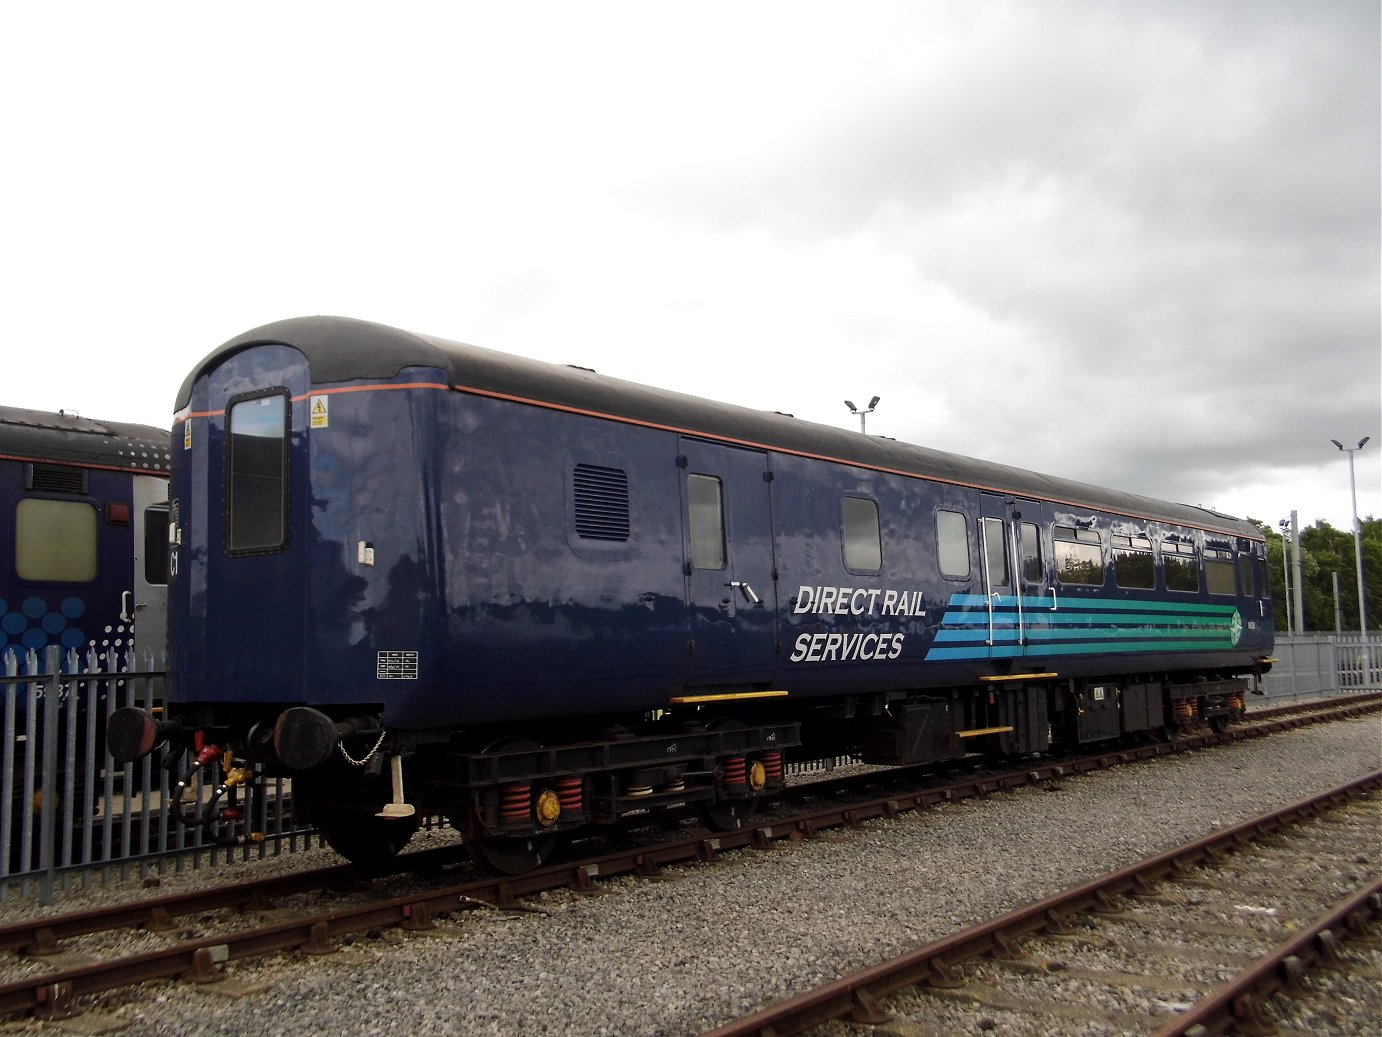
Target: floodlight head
[1337,443]
[854,410]
[1362,441]
[874,403]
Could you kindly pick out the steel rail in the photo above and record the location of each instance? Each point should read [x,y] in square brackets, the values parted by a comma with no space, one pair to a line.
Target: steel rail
[1278,970]
[40,936]
[856,996]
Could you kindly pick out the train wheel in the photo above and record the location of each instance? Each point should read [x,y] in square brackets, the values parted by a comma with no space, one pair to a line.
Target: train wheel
[344,809]
[512,856]
[364,839]
[727,815]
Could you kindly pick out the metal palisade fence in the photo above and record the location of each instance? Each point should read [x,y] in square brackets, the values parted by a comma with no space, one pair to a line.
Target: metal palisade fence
[1314,664]
[68,814]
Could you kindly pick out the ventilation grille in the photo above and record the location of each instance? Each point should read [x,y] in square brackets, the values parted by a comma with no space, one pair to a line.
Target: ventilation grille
[51,478]
[602,503]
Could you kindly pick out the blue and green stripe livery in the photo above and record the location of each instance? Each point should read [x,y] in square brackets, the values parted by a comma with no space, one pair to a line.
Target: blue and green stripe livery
[1079,626]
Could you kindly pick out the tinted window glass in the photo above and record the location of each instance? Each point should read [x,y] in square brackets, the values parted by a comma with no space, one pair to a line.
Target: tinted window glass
[952,544]
[863,541]
[1079,558]
[1033,570]
[1134,565]
[1219,572]
[256,474]
[156,545]
[707,521]
[1181,566]
[55,541]
[1246,572]
[996,551]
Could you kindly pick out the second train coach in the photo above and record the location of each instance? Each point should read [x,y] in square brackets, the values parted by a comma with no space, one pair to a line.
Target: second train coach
[428,578]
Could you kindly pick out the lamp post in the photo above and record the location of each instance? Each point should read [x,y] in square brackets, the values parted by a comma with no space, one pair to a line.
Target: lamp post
[862,413]
[1285,525]
[1357,532]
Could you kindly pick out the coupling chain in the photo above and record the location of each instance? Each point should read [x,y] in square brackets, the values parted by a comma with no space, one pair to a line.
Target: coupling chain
[368,756]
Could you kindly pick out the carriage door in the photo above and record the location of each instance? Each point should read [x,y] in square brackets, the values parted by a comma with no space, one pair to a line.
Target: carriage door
[1002,604]
[1014,572]
[147,605]
[731,596]
[1036,595]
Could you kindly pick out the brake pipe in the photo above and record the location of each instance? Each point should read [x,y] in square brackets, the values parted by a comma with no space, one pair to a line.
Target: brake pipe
[235,777]
[203,757]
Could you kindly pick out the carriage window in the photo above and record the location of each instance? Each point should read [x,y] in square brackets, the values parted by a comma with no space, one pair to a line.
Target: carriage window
[1181,567]
[863,541]
[707,521]
[1134,565]
[995,551]
[1246,572]
[156,544]
[1219,571]
[1033,570]
[1079,558]
[55,541]
[257,474]
[952,544]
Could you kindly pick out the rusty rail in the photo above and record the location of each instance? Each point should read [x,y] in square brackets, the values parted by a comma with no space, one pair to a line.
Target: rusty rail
[856,996]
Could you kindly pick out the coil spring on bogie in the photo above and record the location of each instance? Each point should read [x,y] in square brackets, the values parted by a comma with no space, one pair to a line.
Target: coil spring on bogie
[515,803]
[1185,708]
[570,792]
[734,771]
[772,766]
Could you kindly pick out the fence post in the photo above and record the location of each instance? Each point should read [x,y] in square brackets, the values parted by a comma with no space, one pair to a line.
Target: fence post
[50,682]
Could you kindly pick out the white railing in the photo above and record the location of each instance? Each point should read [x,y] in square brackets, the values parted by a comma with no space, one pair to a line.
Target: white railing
[1318,664]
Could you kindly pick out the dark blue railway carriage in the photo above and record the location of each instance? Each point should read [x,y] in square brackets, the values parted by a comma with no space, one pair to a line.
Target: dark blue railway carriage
[426,577]
[84,549]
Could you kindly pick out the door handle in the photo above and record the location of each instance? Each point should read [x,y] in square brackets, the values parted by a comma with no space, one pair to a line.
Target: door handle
[748,592]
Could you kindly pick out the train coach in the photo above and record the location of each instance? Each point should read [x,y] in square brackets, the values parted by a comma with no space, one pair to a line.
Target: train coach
[83,560]
[425,578]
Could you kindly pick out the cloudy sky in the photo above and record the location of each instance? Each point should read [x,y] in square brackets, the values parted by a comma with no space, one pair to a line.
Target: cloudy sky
[1135,244]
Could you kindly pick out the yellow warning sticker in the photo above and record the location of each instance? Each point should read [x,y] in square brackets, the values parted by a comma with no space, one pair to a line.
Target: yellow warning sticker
[320,417]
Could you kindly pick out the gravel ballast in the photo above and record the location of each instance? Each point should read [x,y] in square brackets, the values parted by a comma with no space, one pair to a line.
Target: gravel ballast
[708,942]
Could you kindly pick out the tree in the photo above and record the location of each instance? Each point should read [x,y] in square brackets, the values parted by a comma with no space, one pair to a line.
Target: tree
[1325,551]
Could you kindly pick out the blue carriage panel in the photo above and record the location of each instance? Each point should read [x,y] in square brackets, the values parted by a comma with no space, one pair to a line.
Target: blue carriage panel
[373,547]
[237,602]
[563,571]
[859,587]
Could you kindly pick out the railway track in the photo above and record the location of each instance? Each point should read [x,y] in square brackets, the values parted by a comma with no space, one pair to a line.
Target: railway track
[65,957]
[1194,941]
